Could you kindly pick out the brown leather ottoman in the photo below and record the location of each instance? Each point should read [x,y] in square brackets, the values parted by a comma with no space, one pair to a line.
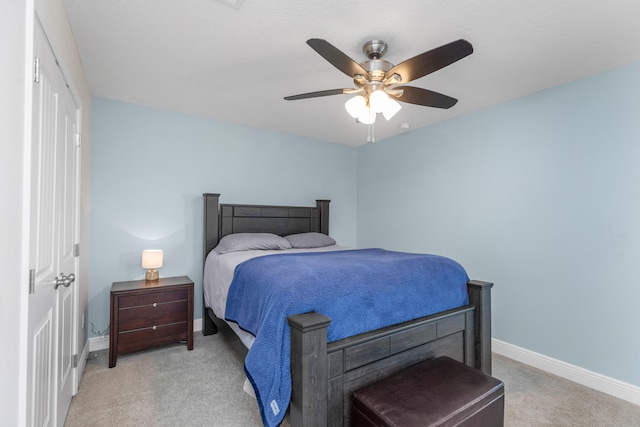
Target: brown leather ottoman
[439,392]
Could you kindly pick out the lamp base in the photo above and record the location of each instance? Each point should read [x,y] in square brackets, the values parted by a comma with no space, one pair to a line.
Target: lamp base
[152,274]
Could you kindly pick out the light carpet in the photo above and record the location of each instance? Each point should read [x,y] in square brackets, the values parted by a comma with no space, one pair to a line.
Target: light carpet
[170,386]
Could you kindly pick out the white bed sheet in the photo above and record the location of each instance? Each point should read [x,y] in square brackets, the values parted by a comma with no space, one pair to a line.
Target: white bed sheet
[218,274]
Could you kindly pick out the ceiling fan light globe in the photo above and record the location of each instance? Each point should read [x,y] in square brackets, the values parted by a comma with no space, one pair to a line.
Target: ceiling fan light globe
[368,116]
[378,100]
[356,106]
[391,108]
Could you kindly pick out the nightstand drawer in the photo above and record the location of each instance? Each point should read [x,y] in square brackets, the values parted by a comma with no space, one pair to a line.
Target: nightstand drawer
[154,309]
[150,333]
[142,322]
[150,298]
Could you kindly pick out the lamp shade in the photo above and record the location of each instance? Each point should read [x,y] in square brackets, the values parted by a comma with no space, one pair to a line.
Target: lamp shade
[391,108]
[367,116]
[152,258]
[378,100]
[355,106]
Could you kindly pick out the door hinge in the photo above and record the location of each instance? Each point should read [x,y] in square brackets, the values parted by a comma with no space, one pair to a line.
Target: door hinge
[75,360]
[76,250]
[32,281]
[78,140]
[36,70]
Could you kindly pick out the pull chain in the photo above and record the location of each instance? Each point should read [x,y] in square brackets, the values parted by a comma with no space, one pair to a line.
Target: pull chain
[371,136]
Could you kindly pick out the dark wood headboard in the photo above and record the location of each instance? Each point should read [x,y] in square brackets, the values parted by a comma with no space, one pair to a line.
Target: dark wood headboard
[223,219]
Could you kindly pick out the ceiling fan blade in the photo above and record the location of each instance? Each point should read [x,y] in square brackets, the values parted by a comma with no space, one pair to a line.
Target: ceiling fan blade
[432,60]
[336,57]
[317,94]
[425,97]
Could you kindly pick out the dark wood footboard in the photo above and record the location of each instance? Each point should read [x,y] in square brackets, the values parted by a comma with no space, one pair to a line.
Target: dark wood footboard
[324,375]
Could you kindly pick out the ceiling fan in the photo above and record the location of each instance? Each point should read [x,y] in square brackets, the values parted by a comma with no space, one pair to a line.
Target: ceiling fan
[377,80]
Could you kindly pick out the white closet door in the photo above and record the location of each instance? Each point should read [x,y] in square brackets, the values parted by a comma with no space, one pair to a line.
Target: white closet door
[53,233]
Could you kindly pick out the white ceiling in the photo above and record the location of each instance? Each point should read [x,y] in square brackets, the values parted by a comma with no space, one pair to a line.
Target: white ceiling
[205,58]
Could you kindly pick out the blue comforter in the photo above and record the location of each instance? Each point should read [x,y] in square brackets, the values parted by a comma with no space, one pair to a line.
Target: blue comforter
[360,290]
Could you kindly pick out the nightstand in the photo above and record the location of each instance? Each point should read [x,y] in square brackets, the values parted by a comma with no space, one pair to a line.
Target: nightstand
[147,314]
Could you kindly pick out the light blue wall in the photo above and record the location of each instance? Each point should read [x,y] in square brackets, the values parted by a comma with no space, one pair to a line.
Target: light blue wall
[150,168]
[540,196]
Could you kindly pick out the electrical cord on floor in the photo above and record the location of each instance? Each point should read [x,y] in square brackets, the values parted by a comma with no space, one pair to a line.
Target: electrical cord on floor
[99,333]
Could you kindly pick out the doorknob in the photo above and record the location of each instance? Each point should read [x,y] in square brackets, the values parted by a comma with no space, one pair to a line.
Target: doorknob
[65,280]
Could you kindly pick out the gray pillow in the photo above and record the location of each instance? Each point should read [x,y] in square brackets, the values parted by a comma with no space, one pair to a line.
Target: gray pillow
[310,240]
[251,241]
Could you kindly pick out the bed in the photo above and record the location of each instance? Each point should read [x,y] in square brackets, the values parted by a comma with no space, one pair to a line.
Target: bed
[324,374]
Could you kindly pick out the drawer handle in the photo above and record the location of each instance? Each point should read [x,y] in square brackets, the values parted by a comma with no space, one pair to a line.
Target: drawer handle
[155,304]
[154,327]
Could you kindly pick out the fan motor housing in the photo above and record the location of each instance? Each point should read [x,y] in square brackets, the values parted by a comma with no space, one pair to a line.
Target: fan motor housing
[376,67]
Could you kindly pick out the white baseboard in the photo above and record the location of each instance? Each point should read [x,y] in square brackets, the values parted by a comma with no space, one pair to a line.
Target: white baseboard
[102,343]
[99,343]
[579,375]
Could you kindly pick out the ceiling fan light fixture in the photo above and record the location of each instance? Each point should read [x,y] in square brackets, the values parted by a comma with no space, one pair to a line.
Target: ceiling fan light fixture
[378,100]
[391,108]
[356,106]
[367,116]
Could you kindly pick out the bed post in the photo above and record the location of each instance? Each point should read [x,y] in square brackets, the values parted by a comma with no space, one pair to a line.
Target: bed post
[309,381]
[323,213]
[211,237]
[480,296]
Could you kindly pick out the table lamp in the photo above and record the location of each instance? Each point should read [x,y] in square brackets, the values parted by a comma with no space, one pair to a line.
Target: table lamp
[151,259]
